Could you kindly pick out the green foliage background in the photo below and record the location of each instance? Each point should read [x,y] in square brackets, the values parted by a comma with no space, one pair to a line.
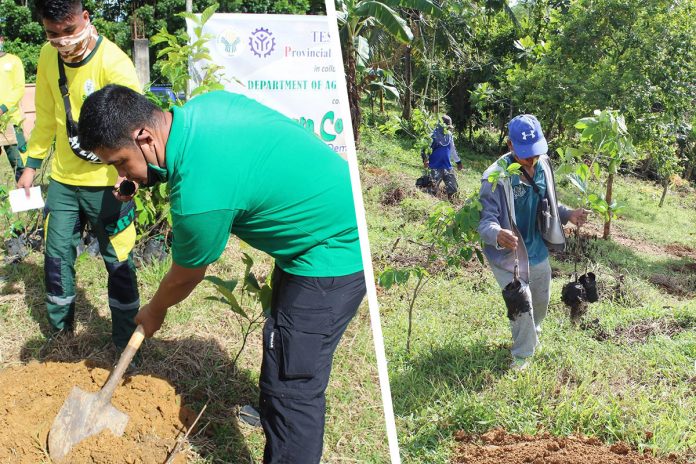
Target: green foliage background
[114,19]
[483,62]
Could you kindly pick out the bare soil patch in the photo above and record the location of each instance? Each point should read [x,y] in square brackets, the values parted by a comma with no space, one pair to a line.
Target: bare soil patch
[675,284]
[499,447]
[594,230]
[393,196]
[683,251]
[32,394]
[639,331]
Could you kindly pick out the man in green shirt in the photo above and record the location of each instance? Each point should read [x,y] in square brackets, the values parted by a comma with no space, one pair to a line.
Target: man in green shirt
[236,166]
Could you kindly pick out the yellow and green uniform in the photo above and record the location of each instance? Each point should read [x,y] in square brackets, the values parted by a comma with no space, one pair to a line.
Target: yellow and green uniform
[11,86]
[105,65]
[11,94]
[80,192]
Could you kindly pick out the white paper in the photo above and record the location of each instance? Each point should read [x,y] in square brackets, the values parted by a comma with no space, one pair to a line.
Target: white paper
[19,201]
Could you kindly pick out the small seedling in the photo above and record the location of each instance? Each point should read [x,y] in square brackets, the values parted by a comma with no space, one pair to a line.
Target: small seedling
[253,304]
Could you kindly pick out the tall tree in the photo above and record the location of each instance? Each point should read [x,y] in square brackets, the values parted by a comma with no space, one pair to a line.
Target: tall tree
[355,17]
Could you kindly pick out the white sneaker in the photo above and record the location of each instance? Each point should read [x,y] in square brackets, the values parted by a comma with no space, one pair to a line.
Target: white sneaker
[519,364]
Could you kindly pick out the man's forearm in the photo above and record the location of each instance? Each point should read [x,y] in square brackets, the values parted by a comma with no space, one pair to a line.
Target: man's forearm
[173,289]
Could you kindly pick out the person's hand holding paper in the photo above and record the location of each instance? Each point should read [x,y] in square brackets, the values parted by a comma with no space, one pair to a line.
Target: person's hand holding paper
[20,201]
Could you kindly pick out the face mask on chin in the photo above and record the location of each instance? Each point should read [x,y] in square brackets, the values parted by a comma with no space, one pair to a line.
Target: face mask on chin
[74,48]
[155,174]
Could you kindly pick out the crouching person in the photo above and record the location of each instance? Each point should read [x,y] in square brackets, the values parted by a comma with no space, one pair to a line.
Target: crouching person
[250,171]
[520,220]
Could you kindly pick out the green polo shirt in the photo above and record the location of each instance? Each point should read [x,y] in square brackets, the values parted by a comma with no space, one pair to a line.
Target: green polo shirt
[236,166]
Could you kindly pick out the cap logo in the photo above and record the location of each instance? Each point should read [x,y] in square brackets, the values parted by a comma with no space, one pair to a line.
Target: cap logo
[528,134]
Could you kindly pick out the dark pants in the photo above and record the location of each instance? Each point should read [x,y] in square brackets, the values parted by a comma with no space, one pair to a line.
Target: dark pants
[448,177]
[68,209]
[308,318]
[13,153]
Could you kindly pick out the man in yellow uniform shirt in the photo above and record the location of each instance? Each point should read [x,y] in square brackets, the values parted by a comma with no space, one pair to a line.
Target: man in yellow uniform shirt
[11,93]
[76,62]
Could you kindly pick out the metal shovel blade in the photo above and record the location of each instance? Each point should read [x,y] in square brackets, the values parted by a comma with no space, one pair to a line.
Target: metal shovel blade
[83,415]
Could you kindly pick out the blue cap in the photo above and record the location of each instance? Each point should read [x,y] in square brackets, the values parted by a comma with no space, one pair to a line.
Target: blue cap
[526,136]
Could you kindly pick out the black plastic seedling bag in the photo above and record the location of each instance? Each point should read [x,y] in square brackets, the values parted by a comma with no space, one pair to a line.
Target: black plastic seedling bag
[517,300]
[573,293]
[589,283]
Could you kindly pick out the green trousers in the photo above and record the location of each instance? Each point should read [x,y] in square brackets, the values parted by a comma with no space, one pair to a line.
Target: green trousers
[68,209]
[13,153]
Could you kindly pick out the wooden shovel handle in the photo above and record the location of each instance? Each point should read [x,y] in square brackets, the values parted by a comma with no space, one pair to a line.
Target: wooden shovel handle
[126,357]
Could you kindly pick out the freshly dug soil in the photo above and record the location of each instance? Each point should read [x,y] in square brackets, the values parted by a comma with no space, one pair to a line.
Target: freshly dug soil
[499,447]
[31,395]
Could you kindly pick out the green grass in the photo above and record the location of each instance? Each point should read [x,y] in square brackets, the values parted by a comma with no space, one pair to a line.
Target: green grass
[456,376]
[194,352]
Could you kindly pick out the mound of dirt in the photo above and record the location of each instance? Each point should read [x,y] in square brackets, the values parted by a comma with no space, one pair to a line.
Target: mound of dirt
[499,447]
[393,196]
[675,284]
[639,331]
[683,251]
[31,395]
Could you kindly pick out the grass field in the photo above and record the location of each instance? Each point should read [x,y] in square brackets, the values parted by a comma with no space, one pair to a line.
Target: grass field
[628,375]
[194,352]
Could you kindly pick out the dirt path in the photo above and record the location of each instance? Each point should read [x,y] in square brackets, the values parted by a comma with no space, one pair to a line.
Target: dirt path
[499,447]
[32,394]
[674,250]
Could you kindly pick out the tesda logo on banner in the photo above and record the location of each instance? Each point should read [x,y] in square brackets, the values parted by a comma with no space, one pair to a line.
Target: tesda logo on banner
[262,43]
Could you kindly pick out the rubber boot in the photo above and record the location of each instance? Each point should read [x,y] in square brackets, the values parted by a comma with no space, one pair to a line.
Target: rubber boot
[122,326]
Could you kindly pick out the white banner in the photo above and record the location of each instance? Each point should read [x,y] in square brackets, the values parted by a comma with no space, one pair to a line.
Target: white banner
[285,62]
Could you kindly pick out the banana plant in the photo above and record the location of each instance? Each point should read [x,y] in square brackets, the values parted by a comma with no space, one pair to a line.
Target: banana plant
[355,19]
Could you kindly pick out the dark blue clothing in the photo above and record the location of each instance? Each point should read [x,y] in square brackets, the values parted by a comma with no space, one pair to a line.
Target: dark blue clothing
[526,203]
[308,318]
[443,150]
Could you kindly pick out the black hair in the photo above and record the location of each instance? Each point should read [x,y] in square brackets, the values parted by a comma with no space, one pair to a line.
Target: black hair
[58,10]
[109,116]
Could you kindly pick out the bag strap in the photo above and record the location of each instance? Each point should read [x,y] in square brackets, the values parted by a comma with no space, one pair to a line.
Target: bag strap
[70,124]
[510,210]
[531,181]
[64,92]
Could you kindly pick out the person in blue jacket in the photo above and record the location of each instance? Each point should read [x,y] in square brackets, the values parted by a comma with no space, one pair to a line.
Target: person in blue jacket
[440,160]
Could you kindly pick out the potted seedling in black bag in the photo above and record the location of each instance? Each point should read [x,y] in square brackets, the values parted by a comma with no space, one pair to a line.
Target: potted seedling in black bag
[517,298]
[582,290]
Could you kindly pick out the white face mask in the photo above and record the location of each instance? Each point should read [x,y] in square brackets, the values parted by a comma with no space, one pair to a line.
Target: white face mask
[73,48]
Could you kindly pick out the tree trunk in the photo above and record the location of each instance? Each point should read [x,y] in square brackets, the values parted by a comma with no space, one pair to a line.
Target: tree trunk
[501,138]
[371,121]
[381,101]
[353,94]
[665,185]
[689,171]
[607,224]
[406,114]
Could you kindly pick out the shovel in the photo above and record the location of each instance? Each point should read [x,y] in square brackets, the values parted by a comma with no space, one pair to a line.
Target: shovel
[85,414]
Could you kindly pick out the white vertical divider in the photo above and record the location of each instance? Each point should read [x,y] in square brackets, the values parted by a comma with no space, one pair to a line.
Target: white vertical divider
[362,231]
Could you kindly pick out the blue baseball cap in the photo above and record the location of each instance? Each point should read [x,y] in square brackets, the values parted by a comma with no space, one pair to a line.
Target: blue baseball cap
[526,136]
